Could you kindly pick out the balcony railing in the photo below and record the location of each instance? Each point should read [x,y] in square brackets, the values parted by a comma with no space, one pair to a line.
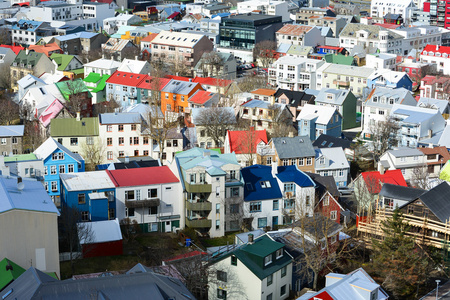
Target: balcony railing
[341,83]
[198,206]
[198,187]
[142,203]
[198,223]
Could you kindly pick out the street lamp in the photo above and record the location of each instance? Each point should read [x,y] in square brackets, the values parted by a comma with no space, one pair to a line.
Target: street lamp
[437,288]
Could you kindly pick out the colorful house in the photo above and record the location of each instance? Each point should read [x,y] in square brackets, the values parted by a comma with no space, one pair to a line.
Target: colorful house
[70,65]
[175,95]
[96,84]
[389,79]
[106,239]
[315,120]
[244,143]
[57,160]
[122,87]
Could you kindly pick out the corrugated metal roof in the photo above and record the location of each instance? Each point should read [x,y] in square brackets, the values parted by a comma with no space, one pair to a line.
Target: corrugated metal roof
[73,128]
[120,118]
[50,145]
[12,130]
[293,147]
[87,181]
[103,231]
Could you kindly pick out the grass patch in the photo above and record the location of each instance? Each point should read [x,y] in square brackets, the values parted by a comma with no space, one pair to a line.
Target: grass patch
[220,241]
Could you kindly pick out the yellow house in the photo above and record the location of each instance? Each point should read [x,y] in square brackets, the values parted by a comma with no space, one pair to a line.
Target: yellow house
[135,35]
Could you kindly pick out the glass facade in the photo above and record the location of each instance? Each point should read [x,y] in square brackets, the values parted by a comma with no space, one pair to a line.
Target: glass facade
[237,38]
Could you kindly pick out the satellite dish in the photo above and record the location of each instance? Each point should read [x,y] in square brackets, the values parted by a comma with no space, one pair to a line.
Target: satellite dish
[20,186]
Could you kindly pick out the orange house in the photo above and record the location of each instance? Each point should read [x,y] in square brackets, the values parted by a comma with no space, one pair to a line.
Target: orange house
[175,95]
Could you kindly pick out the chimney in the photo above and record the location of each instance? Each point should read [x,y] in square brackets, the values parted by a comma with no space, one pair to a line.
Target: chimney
[127,159]
[78,116]
[136,57]
[430,133]
[437,47]
[382,170]
[274,168]
[250,238]
[291,134]
[19,180]
[190,79]
[27,51]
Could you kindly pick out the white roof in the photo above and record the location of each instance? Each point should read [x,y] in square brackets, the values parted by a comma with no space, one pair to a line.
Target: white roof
[49,146]
[85,181]
[28,80]
[295,60]
[49,78]
[391,76]
[322,113]
[335,155]
[44,95]
[132,66]
[349,70]
[121,17]
[103,63]
[102,231]
[178,39]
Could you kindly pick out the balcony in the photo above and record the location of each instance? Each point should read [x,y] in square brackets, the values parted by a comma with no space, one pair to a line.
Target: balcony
[199,205]
[142,203]
[341,83]
[187,54]
[198,223]
[198,187]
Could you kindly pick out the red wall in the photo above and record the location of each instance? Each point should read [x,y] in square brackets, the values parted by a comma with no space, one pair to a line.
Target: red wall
[103,249]
[326,210]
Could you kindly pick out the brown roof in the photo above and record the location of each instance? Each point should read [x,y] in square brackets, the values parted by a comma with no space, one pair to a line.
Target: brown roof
[265,92]
[294,29]
[149,37]
[46,48]
[442,151]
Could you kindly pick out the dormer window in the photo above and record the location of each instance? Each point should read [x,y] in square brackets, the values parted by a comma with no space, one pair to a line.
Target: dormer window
[375,99]
[279,253]
[268,260]
[265,184]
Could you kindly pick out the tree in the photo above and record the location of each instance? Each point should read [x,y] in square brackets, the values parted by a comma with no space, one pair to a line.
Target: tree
[214,122]
[33,136]
[93,151]
[76,94]
[71,232]
[251,83]
[420,177]
[5,77]
[5,36]
[91,55]
[384,136]
[400,263]
[211,63]
[9,111]
[158,127]
[281,121]
[265,53]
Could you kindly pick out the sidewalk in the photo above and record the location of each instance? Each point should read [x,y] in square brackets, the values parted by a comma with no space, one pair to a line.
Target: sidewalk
[444,293]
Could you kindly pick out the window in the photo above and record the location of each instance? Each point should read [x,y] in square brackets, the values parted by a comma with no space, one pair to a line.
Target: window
[14,140]
[326,201]
[136,140]
[269,160]
[152,193]
[217,208]
[255,206]
[308,161]
[120,127]
[301,162]
[283,290]
[262,222]
[54,185]
[267,259]
[275,205]
[109,141]
[283,271]
[234,192]
[3,141]
[269,297]
[73,141]
[192,178]
[81,198]
[222,276]
[307,201]
[333,215]
[410,209]
[121,141]
[55,156]
[234,208]
[279,253]
[109,128]
[89,140]
[221,294]
[269,279]
[109,155]
[153,210]
[133,127]
[129,195]
[217,224]
[289,187]
[62,169]
[84,216]
[265,184]
[53,170]
[46,186]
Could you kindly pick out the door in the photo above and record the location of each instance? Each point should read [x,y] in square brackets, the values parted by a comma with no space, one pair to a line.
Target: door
[168,227]
[274,221]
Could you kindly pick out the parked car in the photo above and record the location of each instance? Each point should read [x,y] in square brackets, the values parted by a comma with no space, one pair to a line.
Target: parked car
[344,190]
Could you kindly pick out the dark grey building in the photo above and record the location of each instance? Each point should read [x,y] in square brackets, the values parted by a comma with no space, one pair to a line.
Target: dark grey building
[246,30]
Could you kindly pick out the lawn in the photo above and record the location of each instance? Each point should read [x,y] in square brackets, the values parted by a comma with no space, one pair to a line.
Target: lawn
[220,241]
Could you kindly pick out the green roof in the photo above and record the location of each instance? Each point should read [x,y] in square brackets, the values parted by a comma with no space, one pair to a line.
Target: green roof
[31,58]
[77,71]
[252,256]
[78,87]
[445,172]
[7,276]
[339,59]
[72,127]
[97,78]
[62,60]
[20,157]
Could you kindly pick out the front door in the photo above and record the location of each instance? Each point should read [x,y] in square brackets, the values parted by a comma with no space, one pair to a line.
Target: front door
[274,221]
[168,227]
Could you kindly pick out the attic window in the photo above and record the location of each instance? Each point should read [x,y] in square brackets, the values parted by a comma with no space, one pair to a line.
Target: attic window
[265,184]
[331,144]
[323,143]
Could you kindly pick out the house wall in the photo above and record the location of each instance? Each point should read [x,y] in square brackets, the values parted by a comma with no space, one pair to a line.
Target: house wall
[10,145]
[355,83]
[99,209]
[33,233]
[331,209]
[23,168]
[180,103]
[77,147]
[103,249]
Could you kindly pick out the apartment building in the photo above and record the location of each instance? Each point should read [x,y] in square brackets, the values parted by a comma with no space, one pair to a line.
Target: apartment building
[439,55]
[300,35]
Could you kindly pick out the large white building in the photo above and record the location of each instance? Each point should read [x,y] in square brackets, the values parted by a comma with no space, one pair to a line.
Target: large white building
[417,38]
[439,55]
[405,8]
[266,7]
[294,73]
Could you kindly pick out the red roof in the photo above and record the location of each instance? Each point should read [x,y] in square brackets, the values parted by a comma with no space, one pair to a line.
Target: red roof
[435,49]
[150,82]
[322,296]
[201,97]
[15,49]
[186,255]
[22,4]
[126,78]
[142,176]
[173,15]
[241,141]
[388,26]
[203,80]
[373,179]
[149,37]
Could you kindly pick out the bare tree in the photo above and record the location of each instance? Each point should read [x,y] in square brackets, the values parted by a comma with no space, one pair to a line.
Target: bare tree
[93,151]
[9,111]
[159,127]
[77,95]
[251,83]
[71,232]
[420,177]
[383,136]
[281,121]
[5,77]
[130,53]
[211,63]
[5,36]
[106,106]
[215,121]
[129,229]
[33,136]
[91,55]
[265,52]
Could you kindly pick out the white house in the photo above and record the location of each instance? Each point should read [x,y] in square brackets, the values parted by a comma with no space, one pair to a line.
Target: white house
[268,7]
[404,159]
[439,55]
[333,162]
[111,25]
[381,61]
[300,35]
[405,8]
[101,66]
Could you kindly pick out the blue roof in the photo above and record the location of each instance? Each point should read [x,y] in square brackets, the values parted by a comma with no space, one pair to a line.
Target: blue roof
[292,174]
[31,25]
[415,117]
[120,118]
[33,197]
[256,103]
[12,130]
[283,48]
[222,15]
[253,176]
[82,35]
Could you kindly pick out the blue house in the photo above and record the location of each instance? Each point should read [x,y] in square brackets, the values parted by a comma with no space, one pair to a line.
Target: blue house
[92,193]
[315,120]
[57,160]
[390,79]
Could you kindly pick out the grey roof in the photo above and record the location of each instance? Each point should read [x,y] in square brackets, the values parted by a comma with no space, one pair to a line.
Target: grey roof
[438,201]
[345,70]
[404,152]
[351,28]
[327,141]
[324,183]
[128,286]
[400,192]
[293,147]
[120,118]
[441,105]
[398,94]
[12,130]
[317,226]
[338,99]
[179,87]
